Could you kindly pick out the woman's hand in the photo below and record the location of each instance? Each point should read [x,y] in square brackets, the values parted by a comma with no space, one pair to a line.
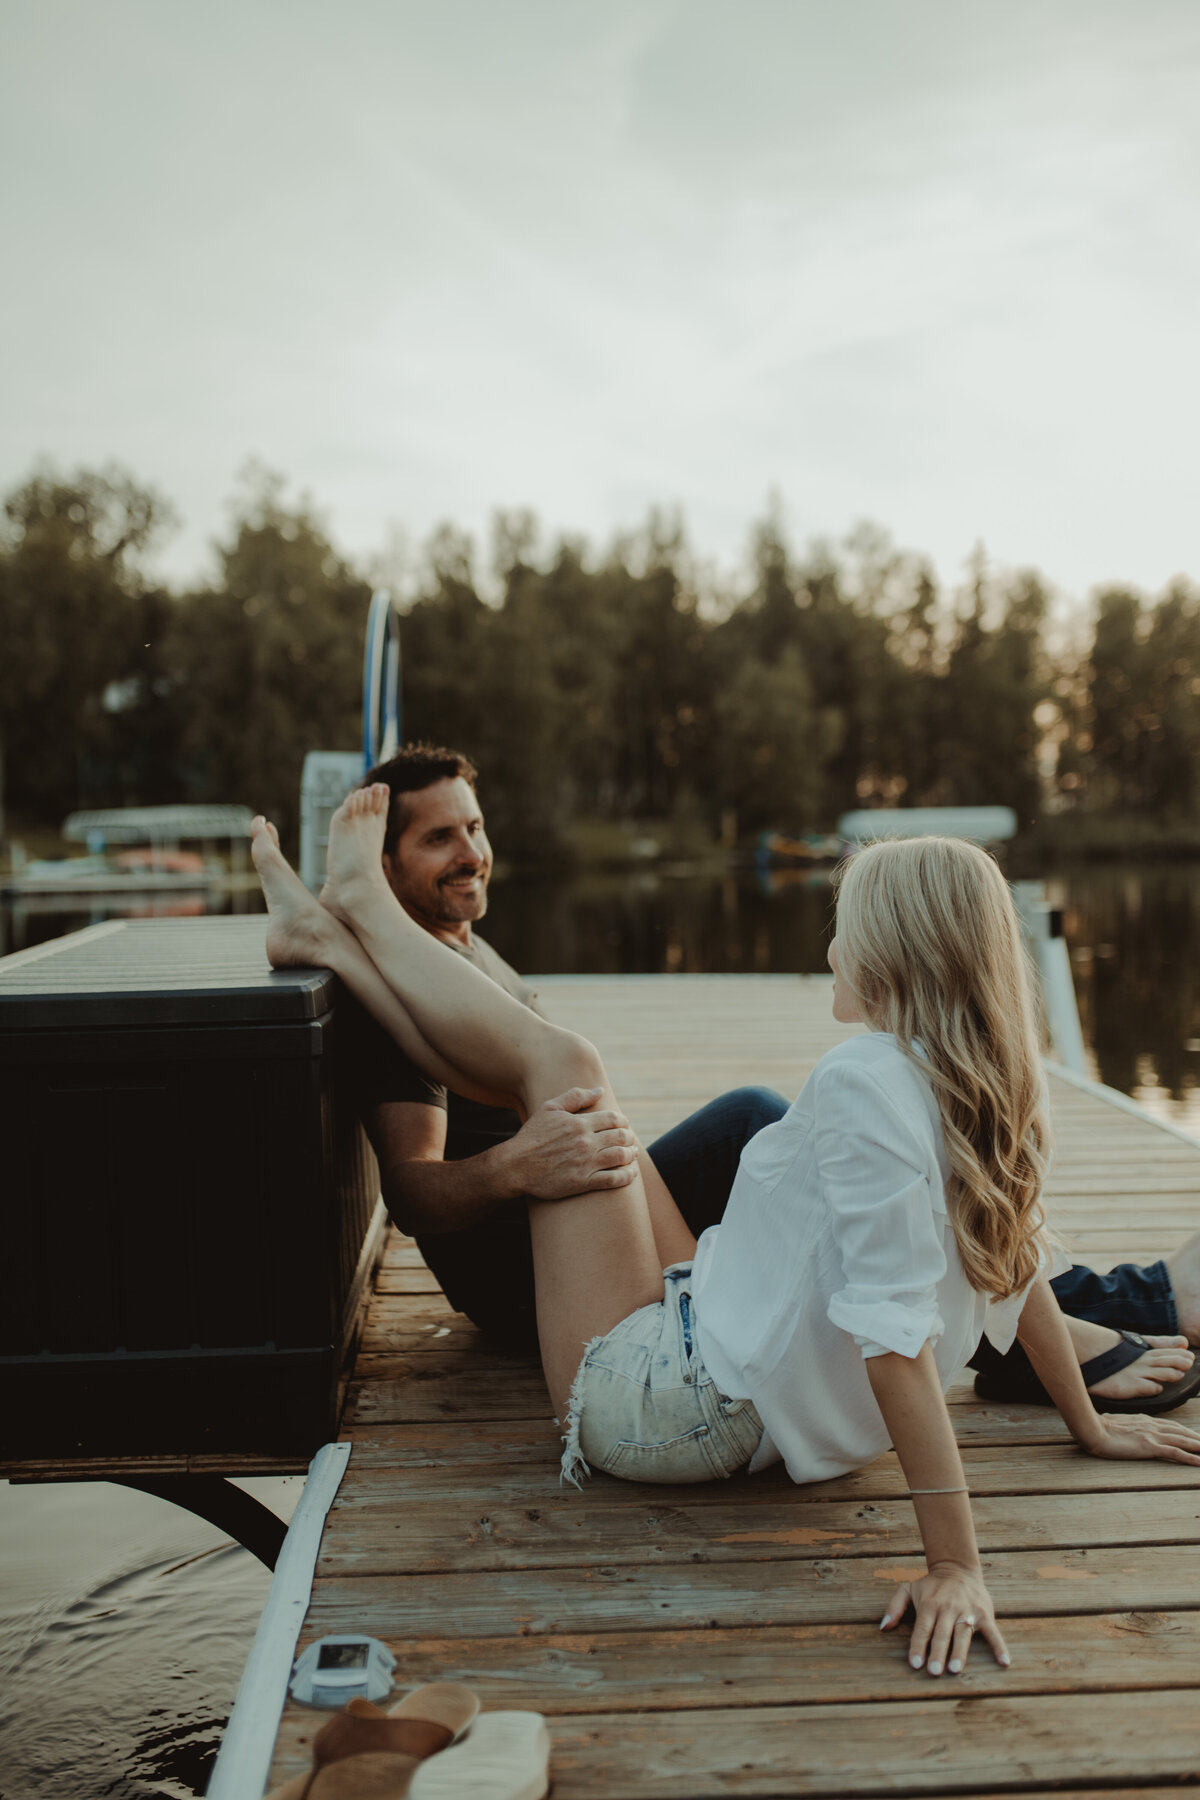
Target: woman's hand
[952,1605]
[1132,1435]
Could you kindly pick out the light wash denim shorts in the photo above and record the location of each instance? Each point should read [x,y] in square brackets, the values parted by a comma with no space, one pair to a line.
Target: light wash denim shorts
[644,1407]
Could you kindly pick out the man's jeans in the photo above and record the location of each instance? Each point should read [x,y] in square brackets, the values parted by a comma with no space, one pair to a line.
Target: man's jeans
[487,1270]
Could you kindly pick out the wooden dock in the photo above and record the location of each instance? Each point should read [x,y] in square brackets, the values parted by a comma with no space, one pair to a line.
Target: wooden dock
[723,1639]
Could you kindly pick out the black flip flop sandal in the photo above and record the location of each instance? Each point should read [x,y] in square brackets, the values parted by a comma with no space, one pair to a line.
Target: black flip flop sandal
[1025,1388]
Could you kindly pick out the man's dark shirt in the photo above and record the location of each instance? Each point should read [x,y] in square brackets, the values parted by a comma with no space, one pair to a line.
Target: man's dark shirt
[383,1076]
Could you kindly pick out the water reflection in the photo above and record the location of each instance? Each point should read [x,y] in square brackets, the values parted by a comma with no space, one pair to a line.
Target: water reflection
[124,1627]
[664,924]
[1134,936]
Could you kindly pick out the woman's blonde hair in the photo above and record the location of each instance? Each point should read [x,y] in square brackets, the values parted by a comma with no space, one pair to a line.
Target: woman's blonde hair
[928,940]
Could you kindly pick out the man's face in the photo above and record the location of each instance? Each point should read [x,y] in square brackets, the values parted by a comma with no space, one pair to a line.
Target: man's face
[440,868]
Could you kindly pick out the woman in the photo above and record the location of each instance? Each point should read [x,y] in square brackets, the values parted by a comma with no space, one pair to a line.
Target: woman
[871,1237]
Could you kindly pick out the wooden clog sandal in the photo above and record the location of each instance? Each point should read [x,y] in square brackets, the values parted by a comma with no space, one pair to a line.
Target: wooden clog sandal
[505,1756]
[364,1753]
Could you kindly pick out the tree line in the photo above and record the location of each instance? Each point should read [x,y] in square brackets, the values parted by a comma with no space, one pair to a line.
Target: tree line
[628,684]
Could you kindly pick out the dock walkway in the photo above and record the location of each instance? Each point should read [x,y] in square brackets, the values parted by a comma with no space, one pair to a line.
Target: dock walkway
[723,1639]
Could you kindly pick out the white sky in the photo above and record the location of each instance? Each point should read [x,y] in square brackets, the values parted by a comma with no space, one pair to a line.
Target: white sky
[930,262]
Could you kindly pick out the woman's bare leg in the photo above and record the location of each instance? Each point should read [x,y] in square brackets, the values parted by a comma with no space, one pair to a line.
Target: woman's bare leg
[597,1256]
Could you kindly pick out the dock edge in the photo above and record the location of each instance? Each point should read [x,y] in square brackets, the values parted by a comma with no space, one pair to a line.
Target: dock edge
[244,1759]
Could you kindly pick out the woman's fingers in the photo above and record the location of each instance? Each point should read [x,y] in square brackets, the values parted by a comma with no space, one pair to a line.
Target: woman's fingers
[922,1631]
[1168,1442]
[961,1643]
[939,1639]
[990,1631]
[896,1607]
[1138,1435]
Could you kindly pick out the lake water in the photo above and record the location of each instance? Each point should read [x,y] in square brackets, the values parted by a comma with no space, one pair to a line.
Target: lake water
[125,1622]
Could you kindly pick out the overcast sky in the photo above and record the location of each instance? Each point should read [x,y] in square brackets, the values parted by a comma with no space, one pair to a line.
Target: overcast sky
[930,262]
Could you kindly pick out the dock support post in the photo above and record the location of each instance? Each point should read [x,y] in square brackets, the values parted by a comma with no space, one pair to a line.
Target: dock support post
[1044,927]
[254,1526]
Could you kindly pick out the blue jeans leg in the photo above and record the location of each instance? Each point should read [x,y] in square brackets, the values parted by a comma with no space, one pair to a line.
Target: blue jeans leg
[698,1158]
[1129,1298]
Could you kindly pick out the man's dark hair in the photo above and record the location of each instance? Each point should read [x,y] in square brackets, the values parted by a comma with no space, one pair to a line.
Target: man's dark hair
[415,767]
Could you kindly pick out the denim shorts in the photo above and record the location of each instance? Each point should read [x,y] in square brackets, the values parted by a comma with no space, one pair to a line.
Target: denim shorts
[644,1407]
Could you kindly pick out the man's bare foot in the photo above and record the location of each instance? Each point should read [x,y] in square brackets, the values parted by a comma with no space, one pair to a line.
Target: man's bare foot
[352,860]
[1167,1359]
[1183,1266]
[299,930]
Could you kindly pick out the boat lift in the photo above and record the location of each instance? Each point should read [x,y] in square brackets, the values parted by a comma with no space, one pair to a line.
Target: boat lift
[330,774]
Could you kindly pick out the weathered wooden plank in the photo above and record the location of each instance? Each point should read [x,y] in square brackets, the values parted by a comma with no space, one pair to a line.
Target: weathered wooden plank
[612,1597]
[407,1281]
[863,1749]
[401,1325]
[413,1391]
[234,1464]
[1126,1240]
[641,1671]
[1044,1469]
[477,1385]
[922,1747]
[519,1442]
[418,1396]
[1081,1178]
[401,1253]
[370,1534]
[435,1444]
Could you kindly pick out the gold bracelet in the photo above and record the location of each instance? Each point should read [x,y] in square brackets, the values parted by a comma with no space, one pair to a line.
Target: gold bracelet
[958,1490]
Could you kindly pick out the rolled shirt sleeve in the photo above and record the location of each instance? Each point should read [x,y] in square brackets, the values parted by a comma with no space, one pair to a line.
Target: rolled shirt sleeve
[882,1210]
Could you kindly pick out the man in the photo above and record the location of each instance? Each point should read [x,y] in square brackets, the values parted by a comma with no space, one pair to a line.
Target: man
[456,1174]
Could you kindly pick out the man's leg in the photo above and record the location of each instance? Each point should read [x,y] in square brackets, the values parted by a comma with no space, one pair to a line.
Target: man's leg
[1128,1298]
[486,1272]
[1097,1307]
[1183,1272]
[1162,1297]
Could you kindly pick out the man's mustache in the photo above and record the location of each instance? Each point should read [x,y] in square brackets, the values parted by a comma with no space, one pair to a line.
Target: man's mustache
[467,869]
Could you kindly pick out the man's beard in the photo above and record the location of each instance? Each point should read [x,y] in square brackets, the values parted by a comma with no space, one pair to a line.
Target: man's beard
[454,906]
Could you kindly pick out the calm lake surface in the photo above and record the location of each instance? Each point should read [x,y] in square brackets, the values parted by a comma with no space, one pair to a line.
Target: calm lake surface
[125,1622]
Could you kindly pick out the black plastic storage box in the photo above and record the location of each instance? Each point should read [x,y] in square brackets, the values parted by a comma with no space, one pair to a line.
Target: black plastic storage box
[189,1213]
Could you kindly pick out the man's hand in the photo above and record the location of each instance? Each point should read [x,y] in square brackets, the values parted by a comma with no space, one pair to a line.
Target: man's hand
[569,1146]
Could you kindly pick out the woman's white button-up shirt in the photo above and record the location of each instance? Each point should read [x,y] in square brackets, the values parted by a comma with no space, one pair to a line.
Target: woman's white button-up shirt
[836,1246]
